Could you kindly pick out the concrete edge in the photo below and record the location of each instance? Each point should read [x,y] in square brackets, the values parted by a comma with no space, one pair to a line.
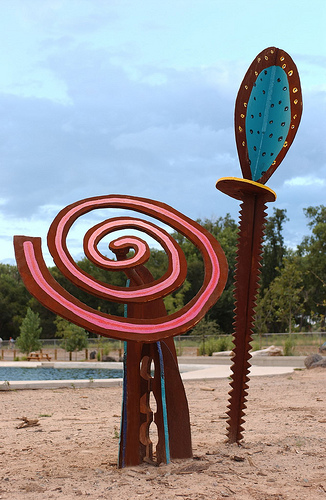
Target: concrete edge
[190,373]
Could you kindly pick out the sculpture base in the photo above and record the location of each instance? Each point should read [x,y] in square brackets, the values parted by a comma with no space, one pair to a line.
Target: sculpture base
[152,378]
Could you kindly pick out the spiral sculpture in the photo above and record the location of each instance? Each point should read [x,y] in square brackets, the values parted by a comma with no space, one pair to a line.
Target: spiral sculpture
[42,285]
[146,328]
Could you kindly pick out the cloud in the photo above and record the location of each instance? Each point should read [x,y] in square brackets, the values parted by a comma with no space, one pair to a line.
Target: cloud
[158,132]
[305,181]
[115,135]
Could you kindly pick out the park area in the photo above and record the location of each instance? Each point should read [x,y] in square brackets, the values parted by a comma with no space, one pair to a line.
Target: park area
[63,443]
[100,349]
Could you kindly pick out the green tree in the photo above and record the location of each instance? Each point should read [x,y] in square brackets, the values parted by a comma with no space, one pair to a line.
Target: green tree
[283,301]
[274,249]
[225,230]
[30,331]
[74,337]
[313,252]
[14,300]
[175,301]
[158,263]
[206,328]
[102,275]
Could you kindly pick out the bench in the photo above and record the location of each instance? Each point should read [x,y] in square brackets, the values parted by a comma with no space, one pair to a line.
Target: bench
[38,356]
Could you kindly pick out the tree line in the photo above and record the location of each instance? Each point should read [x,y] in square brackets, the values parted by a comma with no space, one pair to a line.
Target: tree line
[292,294]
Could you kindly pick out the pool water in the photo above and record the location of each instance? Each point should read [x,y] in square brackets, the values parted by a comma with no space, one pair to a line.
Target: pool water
[40,373]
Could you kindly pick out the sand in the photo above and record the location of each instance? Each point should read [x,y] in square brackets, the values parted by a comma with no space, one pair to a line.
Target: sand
[73,450]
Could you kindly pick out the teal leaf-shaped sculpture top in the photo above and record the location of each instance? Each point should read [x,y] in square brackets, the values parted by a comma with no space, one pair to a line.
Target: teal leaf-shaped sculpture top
[267,114]
[268,119]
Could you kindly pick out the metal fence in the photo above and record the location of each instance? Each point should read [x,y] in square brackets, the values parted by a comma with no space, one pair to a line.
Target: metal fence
[100,348]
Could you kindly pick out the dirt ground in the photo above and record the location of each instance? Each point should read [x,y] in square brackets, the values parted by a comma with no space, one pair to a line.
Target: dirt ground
[72,453]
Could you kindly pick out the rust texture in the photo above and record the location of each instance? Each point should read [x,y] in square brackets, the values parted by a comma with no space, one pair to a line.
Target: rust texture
[143,386]
[251,229]
[267,115]
[152,399]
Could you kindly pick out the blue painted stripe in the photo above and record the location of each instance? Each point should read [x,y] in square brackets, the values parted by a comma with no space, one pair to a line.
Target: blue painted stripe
[164,409]
[123,425]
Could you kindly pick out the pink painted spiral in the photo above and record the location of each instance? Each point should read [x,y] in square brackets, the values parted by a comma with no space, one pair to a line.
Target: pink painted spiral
[39,281]
[57,243]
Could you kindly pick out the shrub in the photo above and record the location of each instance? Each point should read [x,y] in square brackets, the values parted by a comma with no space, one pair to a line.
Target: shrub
[289,346]
[215,345]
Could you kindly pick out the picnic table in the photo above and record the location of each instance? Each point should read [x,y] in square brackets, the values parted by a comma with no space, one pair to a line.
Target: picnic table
[38,356]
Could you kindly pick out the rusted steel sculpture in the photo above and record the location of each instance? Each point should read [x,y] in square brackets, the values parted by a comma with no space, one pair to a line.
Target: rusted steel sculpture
[146,328]
[267,114]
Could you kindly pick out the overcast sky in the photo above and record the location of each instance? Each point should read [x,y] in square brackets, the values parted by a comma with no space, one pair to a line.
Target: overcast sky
[137,97]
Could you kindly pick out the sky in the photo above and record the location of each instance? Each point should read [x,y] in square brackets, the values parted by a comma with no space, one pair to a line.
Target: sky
[137,98]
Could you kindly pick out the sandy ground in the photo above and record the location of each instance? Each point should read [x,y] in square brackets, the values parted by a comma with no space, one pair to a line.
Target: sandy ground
[72,453]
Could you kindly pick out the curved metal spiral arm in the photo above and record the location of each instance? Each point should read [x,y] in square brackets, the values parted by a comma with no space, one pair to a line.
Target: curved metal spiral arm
[41,284]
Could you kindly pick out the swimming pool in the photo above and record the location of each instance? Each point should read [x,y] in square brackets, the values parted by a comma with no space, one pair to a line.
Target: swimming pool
[8,373]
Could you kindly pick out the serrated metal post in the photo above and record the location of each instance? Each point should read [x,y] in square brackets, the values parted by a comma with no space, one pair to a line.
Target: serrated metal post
[249,249]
